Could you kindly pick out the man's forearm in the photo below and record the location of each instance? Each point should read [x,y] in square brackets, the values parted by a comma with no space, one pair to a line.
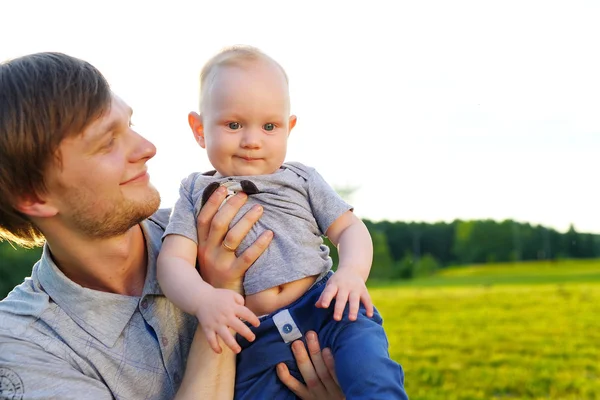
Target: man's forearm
[207,375]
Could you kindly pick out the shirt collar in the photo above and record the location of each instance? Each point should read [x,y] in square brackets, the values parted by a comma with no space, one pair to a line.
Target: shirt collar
[216,174]
[103,315]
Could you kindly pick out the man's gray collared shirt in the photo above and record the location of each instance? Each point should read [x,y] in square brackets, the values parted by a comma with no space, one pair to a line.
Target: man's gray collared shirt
[60,340]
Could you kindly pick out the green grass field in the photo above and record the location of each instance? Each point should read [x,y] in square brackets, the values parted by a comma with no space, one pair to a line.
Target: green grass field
[513,331]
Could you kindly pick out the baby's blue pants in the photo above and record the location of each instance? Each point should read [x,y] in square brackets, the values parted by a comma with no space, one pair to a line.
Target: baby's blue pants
[360,350]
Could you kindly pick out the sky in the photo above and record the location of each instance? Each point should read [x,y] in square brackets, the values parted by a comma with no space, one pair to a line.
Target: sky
[429,110]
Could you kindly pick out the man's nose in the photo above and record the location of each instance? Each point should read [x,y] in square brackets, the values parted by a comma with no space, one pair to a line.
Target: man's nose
[141,148]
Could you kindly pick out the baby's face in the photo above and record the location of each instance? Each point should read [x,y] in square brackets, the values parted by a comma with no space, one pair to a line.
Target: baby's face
[246,119]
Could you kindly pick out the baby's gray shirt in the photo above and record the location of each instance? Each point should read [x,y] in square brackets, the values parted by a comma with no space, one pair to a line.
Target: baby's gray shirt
[299,207]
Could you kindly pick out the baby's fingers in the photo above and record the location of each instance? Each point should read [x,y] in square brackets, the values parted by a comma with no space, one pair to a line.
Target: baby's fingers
[240,327]
[211,336]
[366,300]
[354,300]
[328,294]
[340,303]
[238,298]
[249,316]
[228,338]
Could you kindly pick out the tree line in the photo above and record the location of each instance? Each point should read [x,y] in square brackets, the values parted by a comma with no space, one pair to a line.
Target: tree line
[404,250]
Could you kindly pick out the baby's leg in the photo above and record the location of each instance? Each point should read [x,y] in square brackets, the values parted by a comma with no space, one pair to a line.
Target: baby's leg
[256,375]
[360,350]
[363,365]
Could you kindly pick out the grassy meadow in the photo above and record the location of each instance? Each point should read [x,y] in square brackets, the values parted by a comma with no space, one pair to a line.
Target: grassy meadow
[506,331]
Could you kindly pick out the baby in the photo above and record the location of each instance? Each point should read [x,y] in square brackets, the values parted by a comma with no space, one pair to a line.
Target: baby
[244,124]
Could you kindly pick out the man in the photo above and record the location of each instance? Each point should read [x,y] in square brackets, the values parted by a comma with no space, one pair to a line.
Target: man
[92,321]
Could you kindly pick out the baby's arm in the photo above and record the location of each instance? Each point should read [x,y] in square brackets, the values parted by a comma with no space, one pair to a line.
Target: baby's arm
[217,310]
[355,248]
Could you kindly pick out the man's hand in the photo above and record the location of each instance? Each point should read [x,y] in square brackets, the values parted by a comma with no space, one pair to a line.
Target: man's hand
[347,287]
[219,266]
[221,309]
[318,371]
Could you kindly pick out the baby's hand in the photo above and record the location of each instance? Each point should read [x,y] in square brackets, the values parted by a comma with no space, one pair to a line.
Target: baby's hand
[346,286]
[221,309]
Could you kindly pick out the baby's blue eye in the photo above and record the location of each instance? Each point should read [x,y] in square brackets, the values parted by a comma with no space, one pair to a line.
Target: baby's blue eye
[268,127]
[234,125]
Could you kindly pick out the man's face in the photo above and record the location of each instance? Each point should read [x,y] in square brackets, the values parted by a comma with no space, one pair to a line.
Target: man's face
[101,188]
[246,120]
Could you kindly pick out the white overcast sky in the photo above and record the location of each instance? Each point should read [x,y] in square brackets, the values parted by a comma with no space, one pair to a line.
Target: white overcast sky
[432,110]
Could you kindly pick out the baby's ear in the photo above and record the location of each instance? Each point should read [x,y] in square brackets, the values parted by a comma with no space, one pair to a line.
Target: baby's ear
[292,124]
[197,127]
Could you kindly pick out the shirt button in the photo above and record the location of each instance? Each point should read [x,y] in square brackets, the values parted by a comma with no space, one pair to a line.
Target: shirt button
[287,328]
[144,304]
[164,341]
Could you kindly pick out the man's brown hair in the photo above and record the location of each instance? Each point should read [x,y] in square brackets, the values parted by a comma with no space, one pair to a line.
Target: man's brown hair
[44,98]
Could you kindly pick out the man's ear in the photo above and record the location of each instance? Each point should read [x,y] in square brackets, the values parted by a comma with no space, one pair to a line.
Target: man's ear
[292,123]
[34,206]
[197,126]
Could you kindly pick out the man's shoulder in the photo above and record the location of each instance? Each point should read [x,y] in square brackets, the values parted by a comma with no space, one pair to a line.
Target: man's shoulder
[34,355]
[23,307]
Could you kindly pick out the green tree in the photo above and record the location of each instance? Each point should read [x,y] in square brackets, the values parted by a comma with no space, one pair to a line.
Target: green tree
[333,253]
[383,265]
[405,267]
[426,266]
[15,265]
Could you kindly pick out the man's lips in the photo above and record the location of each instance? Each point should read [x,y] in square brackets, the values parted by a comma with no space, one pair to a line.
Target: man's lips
[142,176]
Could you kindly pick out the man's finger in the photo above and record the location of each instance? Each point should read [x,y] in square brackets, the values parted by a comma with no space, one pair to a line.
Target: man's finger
[307,370]
[292,383]
[208,212]
[330,363]
[220,222]
[238,232]
[314,349]
[251,254]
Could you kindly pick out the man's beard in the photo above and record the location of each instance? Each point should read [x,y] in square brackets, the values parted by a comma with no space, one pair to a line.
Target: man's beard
[116,219]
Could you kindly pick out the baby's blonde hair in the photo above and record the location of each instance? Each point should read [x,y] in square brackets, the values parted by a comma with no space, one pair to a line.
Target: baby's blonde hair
[238,55]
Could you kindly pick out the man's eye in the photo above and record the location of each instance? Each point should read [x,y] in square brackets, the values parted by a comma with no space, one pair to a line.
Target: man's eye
[234,125]
[108,145]
[268,127]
